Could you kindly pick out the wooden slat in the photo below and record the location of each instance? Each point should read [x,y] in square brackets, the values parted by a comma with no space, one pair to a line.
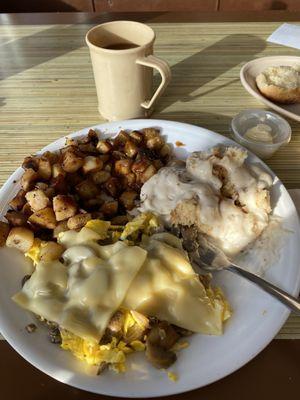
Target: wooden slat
[47,90]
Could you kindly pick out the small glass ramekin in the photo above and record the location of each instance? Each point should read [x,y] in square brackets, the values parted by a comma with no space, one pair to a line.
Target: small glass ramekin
[247,119]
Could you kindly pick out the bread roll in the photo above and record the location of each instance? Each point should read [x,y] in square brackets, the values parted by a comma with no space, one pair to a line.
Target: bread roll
[280,84]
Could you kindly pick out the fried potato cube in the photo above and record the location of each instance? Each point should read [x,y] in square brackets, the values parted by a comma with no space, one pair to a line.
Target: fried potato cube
[87,189]
[16,218]
[104,146]
[121,138]
[100,177]
[64,207]
[28,179]
[119,220]
[37,199]
[88,148]
[57,170]
[41,185]
[148,173]
[26,210]
[165,151]
[129,180]
[51,251]
[112,186]
[62,226]
[158,164]
[71,161]
[44,168]
[51,157]
[150,133]
[59,184]
[18,201]
[30,162]
[130,149]
[136,136]
[20,238]
[44,218]
[140,166]
[110,208]
[123,167]
[91,164]
[155,143]
[78,221]
[4,230]
[127,199]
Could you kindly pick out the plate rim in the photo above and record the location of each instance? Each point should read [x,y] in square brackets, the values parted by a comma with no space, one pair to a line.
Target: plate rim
[164,124]
[259,96]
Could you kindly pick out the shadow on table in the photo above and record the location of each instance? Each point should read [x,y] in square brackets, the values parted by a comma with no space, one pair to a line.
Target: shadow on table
[27,52]
[203,67]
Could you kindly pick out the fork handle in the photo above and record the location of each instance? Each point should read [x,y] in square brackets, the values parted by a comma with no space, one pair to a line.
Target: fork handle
[291,302]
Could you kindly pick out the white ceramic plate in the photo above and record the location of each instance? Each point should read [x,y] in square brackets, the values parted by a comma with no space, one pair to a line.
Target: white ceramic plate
[256,316]
[253,68]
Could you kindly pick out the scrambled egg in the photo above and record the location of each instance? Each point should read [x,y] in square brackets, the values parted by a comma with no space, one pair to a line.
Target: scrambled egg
[113,353]
[34,252]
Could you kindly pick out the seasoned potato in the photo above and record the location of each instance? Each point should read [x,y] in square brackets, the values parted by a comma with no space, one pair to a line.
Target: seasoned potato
[104,146]
[57,170]
[16,218]
[60,227]
[41,185]
[93,203]
[158,164]
[30,162]
[136,136]
[52,157]
[100,177]
[4,230]
[129,180]
[51,251]
[112,186]
[127,199]
[44,218]
[123,167]
[20,238]
[28,179]
[130,149]
[91,164]
[59,184]
[37,199]
[71,161]
[79,220]
[119,220]
[121,139]
[155,143]
[165,151]
[44,168]
[148,173]
[26,210]
[140,166]
[150,133]
[18,201]
[64,207]
[87,189]
[88,148]
[110,208]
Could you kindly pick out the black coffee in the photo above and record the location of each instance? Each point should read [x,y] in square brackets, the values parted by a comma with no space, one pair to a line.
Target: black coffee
[121,46]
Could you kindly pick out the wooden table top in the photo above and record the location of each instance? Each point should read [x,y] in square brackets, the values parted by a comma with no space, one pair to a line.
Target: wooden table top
[47,91]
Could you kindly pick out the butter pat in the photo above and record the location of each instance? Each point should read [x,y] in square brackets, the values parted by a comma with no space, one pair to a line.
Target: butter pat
[260,133]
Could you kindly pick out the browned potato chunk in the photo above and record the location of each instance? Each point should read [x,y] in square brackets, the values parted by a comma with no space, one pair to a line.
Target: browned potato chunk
[136,136]
[129,180]
[16,218]
[150,133]
[59,184]
[57,170]
[4,230]
[165,151]
[130,149]
[112,186]
[78,221]
[60,227]
[121,139]
[30,162]
[93,203]
[37,199]
[52,157]
[150,171]
[41,185]
[26,210]
[91,164]
[127,199]
[140,166]
[44,168]
[87,189]
[51,251]
[28,179]
[100,177]
[44,218]
[64,207]
[119,220]
[71,161]
[158,164]
[104,146]
[110,208]
[20,238]
[123,167]
[88,148]
[19,200]
[155,143]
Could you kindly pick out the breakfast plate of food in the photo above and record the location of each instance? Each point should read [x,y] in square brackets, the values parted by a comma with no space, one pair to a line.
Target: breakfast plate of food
[98,287]
[275,81]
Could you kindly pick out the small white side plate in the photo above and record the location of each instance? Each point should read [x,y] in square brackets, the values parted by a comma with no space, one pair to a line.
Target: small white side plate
[253,68]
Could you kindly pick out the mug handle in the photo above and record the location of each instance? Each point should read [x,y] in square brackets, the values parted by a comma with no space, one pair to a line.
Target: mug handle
[165,72]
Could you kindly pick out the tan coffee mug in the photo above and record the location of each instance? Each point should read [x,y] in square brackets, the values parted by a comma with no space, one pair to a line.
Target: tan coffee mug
[121,53]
